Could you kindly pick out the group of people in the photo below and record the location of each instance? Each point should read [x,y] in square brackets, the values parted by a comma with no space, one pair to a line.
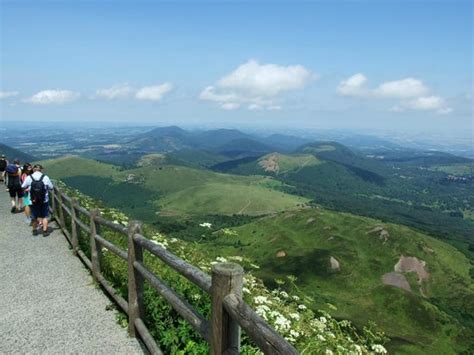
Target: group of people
[29,192]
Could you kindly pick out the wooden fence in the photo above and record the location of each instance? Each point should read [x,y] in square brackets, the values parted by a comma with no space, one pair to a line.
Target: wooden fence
[229,312]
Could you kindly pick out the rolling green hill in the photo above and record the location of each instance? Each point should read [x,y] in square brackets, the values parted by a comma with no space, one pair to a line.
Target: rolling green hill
[172,190]
[393,187]
[342,259]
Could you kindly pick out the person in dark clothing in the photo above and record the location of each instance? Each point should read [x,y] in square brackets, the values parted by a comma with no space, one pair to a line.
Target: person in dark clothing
[3,166]
[14,186]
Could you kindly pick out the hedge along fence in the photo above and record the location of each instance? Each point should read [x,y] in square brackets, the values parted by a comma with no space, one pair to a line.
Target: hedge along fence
[229,312]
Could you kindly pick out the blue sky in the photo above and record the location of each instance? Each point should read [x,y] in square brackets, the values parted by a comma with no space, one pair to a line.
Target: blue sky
[403,65]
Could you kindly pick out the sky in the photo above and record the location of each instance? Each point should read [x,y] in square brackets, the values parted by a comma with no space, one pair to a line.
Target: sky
[395,65]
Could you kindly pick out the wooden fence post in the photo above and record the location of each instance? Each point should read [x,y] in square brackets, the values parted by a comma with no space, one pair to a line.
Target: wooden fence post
[96,251]
[225,333]
[74,227]
[135,280]
[62,223]
[53,203]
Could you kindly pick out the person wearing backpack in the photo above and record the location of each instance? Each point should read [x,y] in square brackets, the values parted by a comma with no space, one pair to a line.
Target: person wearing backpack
[39,186]
[3,166]
[14,186]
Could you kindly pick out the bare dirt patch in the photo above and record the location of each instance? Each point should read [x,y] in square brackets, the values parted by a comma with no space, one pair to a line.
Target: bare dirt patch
[397,280]
[270,164]
[281,254]
[413,264]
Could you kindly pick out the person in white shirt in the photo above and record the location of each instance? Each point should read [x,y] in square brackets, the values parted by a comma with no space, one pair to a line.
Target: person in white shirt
[39,186]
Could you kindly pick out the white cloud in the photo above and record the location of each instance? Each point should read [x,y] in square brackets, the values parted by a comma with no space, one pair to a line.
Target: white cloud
[412,91]
[7,94]
[429,103]
[404,88]
[257,85]
[266,79]
[209,93]
[115,92]
[53,97]
[353,86]
[153,93]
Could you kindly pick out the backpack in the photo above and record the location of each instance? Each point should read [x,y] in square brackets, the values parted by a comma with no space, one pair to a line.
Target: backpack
[13,173]
[12,169]
[37,191]
[3,164]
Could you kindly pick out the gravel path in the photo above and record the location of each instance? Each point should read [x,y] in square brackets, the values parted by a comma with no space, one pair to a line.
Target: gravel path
[48,302]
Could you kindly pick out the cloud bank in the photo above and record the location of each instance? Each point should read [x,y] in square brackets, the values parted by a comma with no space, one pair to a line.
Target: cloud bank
[46,97]
[412,93]
[257,85]
[153,93]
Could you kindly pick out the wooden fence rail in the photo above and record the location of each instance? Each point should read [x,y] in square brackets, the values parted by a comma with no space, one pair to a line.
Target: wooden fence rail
[229,312]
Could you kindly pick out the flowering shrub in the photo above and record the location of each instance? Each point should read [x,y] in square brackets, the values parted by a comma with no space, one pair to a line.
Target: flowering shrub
[309,331]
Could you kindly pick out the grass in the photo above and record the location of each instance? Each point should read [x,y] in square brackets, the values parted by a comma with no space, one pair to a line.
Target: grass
[172,189]
[310,237]
[229,198]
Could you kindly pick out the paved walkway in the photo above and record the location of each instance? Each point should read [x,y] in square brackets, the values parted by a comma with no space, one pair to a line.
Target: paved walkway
[48,302]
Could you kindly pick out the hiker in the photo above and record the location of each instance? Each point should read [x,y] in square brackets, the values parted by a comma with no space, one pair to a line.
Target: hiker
[3,166]
[39,186]
[13,172]
[27,171]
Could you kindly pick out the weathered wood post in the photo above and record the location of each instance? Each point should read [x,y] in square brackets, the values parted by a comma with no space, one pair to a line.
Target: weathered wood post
[96,249]
[53,203]
[62,224]
[74,227]
[135,280]
[225,333]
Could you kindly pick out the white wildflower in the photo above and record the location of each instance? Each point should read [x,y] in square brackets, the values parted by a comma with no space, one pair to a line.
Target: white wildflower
[302,307]
[296,298]
[262,300]
[206,225]
[294,316]
[283,294]
[275,314]
[262,311]
[321,338]
[329,352]
[323,319]
[173,240]
[245,290]
[255,266]
[294,333]
[236,258]
[221,259]
[379,349]
[282,324]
